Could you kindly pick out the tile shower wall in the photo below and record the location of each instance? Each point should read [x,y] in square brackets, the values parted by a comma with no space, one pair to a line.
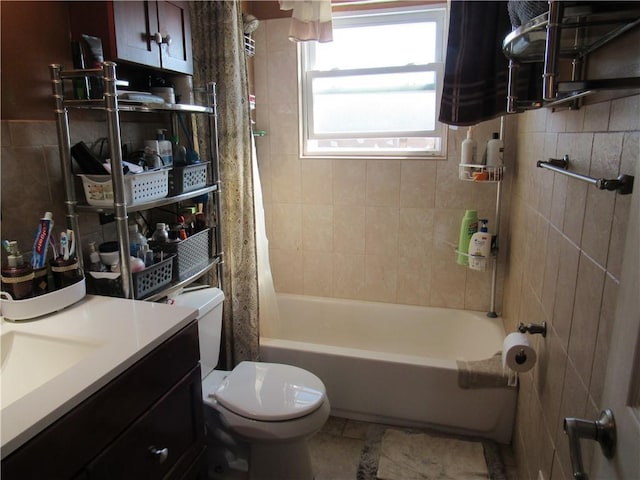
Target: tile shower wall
[564,267]
[375,230]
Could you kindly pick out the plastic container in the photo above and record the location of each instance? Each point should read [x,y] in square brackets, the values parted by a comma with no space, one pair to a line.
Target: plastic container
[160,234]
[480,248]
[17,275]
[468,227]
[192,254]
[188,178]
[469,149]
[136,240]
[495,150]
[138,188]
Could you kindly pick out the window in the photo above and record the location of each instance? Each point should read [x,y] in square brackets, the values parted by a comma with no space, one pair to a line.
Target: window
[375,90]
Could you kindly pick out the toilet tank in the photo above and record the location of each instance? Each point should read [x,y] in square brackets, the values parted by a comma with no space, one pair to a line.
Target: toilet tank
[208,301]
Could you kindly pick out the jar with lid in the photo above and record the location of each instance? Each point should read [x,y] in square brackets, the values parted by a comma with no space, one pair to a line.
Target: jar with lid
[161,234]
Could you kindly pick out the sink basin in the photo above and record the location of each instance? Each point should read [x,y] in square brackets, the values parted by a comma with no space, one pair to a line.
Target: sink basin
[29,361]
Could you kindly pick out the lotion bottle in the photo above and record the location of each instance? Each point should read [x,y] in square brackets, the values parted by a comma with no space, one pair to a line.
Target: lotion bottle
[468,227]
[469,150]
[17,275]
[480,248]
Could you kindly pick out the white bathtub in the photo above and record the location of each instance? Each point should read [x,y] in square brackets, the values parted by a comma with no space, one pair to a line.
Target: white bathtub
[392,363]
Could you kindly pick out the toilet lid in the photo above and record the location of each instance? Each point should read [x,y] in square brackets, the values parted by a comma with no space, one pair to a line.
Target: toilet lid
[270,391]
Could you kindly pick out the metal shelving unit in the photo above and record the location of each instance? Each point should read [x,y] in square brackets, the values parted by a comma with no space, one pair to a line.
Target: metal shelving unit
[569,30]
[113,107]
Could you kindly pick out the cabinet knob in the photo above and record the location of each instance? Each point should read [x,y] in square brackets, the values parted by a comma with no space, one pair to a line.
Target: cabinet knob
[160,454]
[159,39]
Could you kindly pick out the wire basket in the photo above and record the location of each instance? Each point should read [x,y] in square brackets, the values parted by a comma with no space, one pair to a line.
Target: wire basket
[191,254]
[138,188]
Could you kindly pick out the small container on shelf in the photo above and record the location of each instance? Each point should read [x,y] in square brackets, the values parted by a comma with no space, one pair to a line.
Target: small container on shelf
[188,178]
[481,173]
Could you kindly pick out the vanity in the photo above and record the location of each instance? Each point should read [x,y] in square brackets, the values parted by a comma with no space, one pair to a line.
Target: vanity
[107,388]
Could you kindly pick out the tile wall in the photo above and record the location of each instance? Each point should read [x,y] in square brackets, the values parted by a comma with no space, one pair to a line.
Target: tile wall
[564,267]
[375,230]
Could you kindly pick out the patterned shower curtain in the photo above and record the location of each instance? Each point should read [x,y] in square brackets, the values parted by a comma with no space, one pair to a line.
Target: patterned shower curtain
[218,56]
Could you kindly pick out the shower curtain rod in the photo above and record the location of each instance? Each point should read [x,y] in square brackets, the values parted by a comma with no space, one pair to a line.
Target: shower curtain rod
[623,184]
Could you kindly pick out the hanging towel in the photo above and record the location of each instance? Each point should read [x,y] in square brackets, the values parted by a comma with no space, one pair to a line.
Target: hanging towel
[476,69]
[487,373]
[310,20]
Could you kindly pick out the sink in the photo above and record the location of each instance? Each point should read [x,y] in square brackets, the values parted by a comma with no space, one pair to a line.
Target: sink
[30,360]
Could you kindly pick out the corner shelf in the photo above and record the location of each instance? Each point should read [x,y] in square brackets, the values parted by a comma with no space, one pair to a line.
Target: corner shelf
[573,31]
[471,172]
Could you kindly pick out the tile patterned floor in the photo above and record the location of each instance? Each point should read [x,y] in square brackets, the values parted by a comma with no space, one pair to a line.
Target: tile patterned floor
[350,450]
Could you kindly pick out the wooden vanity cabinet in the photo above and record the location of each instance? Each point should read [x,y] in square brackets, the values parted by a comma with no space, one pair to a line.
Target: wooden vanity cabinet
[122,431]
[151,33]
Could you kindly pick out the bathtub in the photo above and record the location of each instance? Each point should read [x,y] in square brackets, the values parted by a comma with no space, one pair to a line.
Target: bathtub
[393,364]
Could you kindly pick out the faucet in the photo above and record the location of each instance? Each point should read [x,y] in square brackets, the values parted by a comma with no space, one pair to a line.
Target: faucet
[602,430]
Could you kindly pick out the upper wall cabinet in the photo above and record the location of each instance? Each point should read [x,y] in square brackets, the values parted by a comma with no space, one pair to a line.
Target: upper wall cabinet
[151,33]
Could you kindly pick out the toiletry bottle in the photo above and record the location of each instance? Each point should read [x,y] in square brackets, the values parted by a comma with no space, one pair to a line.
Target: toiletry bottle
[165,149]
[136,240]
[480,247]
[469,149]
[495,150]
[161,234]
[468,227]
[95,265]
[17,276]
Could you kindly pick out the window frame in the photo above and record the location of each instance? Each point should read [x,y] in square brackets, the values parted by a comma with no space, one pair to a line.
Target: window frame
[306,56]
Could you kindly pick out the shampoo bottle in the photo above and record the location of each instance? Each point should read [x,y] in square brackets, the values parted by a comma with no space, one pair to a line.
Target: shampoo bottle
[469,149]
[480,248]
[468,227]
[495,152]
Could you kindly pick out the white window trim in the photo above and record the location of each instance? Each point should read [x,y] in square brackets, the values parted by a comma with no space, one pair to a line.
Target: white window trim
[304,90]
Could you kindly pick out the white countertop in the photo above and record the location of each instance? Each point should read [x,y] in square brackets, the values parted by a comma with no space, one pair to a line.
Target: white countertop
[115,333]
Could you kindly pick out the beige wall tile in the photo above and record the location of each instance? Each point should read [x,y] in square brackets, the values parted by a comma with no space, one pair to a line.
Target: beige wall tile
[348,229]
[349,182]
[383,183]
[286,179]
[348,276]
[318,274]
[415,235]
[448,282]
[317,181]
[417,184]
[380,278]
[624,114]
[413,281]
[288,270]
[381,231]
[286,226]
[317,228]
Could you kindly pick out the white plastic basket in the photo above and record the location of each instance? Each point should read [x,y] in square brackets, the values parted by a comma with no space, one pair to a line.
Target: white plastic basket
[138,188]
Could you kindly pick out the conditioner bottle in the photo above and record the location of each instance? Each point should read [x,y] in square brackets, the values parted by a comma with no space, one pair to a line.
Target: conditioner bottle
[468,227]
[469,150]
[480,248]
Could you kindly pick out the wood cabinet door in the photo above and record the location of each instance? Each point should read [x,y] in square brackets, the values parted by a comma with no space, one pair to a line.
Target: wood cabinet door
[135,25]
[174,20]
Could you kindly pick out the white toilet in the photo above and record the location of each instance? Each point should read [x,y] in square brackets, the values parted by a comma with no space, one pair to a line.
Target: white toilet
[264,412]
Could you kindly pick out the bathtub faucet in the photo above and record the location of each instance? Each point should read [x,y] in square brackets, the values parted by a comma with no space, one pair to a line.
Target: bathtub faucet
[533,328]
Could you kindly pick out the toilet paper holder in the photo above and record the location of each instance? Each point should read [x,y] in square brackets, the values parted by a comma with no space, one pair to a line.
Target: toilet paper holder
[533,328]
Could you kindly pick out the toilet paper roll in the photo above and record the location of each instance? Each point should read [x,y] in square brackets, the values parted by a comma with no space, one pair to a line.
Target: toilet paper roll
[517,353]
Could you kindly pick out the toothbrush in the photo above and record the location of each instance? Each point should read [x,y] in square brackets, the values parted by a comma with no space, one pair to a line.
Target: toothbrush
[71,243]
[64,246]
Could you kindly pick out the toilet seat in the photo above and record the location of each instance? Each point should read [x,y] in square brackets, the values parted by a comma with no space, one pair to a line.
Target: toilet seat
[270,392]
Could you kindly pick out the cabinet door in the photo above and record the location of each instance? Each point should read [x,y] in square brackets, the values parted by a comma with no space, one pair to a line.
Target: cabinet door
[163,443]
[173,20]
[135,25]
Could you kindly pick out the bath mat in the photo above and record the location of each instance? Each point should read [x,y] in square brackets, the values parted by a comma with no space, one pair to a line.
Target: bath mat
[482,373]
[418,456]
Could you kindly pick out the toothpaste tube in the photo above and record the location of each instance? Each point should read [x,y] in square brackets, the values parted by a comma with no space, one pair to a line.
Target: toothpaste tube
[39,256]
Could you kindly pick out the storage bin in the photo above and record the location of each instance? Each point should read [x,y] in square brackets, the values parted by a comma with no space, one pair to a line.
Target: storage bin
[188,178]
[138,188]
[191,254]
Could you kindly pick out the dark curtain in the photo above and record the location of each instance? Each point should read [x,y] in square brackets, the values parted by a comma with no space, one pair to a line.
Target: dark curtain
[476,70]
[218,56]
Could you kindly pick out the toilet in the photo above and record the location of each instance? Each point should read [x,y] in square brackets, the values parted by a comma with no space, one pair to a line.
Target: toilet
[259,415]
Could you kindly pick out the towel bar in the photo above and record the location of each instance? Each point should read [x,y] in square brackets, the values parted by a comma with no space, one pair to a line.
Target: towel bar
[623,184]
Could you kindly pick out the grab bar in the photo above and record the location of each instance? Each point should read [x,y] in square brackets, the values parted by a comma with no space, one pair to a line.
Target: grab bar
[623,184]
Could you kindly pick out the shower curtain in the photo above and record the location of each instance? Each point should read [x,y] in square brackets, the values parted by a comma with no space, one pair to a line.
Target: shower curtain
[218,56]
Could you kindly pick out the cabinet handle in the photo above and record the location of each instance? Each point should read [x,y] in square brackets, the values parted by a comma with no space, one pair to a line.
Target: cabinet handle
[159,39]
[160,454]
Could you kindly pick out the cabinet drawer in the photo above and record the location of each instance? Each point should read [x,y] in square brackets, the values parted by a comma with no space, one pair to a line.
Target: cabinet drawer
[162,443]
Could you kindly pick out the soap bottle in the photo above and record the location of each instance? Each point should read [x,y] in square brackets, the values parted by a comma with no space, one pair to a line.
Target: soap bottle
[469,150]
[468,227]
[17,276]
[480,247]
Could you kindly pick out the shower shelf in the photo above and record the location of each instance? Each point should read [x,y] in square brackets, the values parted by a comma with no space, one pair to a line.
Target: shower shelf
[470,172]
